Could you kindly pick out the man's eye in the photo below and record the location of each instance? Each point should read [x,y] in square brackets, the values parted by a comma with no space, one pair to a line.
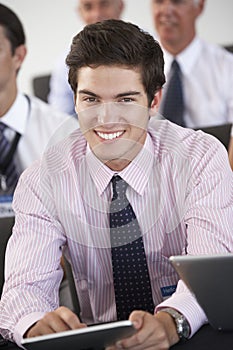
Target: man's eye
[90,99]
[87,7]
[126,99]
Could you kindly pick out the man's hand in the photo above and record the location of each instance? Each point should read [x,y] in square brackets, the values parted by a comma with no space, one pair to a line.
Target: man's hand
[62,319]
[153,332]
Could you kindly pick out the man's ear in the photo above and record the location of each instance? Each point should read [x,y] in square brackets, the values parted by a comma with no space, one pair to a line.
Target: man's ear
[79,12]
[121,8]
[75,107]
[200,7]
[19,56]
[155,103]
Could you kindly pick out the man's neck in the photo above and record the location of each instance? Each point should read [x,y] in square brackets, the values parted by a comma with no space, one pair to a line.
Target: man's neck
[176,48]
[6,101]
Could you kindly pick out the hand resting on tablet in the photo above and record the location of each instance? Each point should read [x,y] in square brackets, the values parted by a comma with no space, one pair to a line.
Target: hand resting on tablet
[62,319]
[153,332]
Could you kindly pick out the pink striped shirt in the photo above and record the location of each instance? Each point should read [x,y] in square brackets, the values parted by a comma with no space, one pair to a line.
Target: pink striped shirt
[181,189]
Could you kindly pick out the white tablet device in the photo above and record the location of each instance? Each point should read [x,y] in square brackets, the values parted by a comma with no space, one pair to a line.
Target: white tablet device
[91,337]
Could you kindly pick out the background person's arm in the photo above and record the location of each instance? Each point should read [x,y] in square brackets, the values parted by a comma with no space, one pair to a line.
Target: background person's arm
[61,96]
[230,150]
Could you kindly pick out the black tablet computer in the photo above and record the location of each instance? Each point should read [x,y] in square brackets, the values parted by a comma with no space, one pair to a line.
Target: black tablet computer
[209,277]
[91,337]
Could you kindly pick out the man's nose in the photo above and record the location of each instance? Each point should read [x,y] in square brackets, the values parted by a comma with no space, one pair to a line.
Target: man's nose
[166,7]
[107,113]
[97,15]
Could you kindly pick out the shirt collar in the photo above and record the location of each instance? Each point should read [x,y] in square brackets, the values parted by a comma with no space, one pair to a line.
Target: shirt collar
[16,117]
[186,59]
[136,174]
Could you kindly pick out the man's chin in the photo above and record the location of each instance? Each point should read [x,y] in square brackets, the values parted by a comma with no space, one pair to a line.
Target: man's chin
[120,153]
[117,164]
[118,161]
[107,158]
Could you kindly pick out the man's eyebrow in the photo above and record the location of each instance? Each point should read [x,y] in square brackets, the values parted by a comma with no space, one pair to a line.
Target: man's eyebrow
[128,93]
[87,92]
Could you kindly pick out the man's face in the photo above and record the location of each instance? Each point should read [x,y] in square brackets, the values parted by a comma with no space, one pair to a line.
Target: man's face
[175,22]
[113,112]
[9,66]
[7,62]
[92,11]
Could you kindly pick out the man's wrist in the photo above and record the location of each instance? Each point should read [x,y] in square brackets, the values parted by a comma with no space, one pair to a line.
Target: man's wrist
[182,326]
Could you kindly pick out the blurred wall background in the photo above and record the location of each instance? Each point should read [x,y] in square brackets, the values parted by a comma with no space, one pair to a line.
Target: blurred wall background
[51,24]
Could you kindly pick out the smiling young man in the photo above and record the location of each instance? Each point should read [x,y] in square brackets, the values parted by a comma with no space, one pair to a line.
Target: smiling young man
[178,200]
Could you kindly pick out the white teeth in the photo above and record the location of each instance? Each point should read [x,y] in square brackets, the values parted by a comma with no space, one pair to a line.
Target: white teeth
[109,136]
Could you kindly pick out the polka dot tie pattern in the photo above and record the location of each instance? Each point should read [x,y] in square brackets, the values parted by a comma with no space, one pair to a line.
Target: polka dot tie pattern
[130,272]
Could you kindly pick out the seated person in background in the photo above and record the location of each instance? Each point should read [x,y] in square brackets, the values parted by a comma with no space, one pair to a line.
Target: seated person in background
[90,11]
[27,125]
[34,120]
[119,196]
[205,70]
[229,48]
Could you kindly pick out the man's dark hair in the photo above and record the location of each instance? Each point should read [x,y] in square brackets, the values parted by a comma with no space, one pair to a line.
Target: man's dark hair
[115,42]
[13,28]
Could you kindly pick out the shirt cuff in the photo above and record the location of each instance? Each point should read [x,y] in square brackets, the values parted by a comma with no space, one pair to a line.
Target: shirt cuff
[24,324]
[184,302]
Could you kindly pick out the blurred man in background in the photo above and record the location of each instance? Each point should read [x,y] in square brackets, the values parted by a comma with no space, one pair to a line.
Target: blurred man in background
[90,11]
[26,121]
[204,89]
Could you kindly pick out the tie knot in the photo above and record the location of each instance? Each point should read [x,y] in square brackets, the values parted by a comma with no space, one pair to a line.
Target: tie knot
[175,66]
[119,187]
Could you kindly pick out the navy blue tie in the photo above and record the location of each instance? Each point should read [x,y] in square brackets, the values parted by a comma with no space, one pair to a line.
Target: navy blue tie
[130,271]
[8,173]
[173,104]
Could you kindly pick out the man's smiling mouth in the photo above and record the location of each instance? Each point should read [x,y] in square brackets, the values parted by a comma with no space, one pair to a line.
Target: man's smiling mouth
[109,136]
